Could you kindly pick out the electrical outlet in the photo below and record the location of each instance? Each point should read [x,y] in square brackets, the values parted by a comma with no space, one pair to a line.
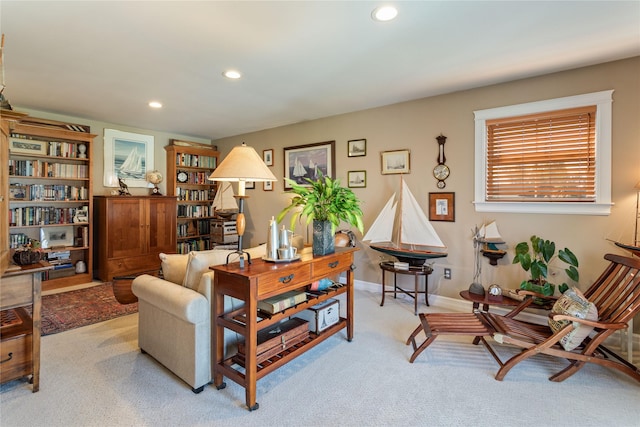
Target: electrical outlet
[447,273]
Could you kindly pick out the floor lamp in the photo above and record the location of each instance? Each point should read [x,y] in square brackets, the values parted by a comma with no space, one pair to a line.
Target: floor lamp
[243,164]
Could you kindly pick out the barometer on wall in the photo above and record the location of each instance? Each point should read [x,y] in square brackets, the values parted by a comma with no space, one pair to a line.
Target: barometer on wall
[441,171]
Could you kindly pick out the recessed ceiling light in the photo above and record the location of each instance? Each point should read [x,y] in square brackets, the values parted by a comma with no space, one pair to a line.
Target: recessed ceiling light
[155,104]
[384,13]
[232,74]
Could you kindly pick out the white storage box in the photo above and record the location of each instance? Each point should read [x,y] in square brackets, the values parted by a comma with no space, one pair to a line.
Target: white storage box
[321,316]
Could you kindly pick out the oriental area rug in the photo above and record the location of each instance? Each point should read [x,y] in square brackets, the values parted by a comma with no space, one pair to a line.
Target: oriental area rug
[69,310]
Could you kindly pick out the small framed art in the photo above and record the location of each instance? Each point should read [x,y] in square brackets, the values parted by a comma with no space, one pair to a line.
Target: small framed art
[17,192]
[267,156]
[357,147]
[442,207]
[267,186]
[51,237]
[27,146]
[357,179]
[395,162]
[250,185]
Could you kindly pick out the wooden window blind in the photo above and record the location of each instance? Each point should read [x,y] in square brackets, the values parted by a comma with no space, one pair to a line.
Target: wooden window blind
[544,157]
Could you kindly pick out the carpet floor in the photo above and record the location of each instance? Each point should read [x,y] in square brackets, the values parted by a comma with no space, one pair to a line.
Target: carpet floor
[82,307]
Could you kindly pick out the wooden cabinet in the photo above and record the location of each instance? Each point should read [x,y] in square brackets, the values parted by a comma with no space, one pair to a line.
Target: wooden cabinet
[132,231]
[50,195]
[188,170]
[20,332]
[260,280]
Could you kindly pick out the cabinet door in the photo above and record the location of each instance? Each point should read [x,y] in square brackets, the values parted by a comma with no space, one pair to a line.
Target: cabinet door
[127,227]
[162,225]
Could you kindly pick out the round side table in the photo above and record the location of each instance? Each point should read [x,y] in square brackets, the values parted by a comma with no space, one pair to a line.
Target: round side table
[416,272]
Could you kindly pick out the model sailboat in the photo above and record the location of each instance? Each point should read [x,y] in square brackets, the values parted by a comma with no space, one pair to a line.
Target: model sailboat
[489,236]
[224,202]
[416,240]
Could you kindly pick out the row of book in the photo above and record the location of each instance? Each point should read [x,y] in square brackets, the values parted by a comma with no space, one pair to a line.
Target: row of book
[51,192]
[46,169]
[192,194]
[201,244]
[63,149]
[192,228]
[196,161]
[195,211]
[41,215]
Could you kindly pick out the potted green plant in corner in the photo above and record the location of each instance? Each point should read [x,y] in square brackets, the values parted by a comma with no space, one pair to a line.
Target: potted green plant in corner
[536,259]
[325,203]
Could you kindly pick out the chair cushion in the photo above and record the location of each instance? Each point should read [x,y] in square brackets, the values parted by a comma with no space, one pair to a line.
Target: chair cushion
[174,267]
[573,303]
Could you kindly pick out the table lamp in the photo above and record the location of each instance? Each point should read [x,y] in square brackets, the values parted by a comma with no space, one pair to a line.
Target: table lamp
[242,164]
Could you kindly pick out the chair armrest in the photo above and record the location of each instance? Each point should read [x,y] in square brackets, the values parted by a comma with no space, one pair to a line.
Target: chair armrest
[593,323]
[184,303]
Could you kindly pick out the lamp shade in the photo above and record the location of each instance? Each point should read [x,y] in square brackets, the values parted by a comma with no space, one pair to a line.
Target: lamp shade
[242,164]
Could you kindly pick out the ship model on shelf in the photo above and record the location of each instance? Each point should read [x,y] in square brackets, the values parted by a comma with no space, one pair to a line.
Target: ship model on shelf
[488,236]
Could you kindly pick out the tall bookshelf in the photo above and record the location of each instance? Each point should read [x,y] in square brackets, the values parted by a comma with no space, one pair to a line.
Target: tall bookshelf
[188,170]
[51,195]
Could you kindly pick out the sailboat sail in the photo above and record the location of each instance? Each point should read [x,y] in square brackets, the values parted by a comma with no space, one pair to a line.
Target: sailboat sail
[133,164]
[490,233]
[224,200]
[414,230]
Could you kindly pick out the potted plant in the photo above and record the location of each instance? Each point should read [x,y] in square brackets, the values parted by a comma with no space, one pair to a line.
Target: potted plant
[326,203]
[536,259]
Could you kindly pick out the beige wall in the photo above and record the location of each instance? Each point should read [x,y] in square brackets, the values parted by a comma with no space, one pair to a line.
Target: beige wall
[414,125]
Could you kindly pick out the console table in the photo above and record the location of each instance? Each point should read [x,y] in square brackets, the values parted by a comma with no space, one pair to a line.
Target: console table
[416,272]
[260,280]
[21,335]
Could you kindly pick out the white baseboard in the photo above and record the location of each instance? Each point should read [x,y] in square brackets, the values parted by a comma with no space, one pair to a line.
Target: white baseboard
[530,315]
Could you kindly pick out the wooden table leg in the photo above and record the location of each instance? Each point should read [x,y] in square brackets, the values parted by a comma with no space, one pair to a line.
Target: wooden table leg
[415,295]
[383,288]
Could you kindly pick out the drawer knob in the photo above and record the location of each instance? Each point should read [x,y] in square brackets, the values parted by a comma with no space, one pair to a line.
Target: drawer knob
[333,264]
[7,359]
[286,279]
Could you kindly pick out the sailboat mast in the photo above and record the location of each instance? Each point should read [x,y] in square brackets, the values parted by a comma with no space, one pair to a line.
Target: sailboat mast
[399,238]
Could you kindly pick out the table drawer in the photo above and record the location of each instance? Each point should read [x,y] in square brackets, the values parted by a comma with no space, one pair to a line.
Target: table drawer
[281,280]
[16,291]
[329,265]
[15,357]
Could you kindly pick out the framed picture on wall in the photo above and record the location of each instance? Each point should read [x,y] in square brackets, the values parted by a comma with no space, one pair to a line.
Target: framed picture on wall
[267,186]
[127,156]
[357,147]
[442,207]
[357,179]
[395,162]
[267,156]
[309,161]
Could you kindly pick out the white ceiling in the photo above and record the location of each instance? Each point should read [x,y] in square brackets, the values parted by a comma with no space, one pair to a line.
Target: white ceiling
[300,60]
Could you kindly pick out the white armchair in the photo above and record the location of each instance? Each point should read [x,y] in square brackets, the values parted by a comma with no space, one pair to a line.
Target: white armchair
[174,313]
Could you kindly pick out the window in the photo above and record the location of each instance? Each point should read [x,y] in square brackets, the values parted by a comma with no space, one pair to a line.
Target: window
[545,157]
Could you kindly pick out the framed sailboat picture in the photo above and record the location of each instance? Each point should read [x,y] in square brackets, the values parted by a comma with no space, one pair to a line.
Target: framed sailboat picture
[127,156]
[442,207]
[309,161]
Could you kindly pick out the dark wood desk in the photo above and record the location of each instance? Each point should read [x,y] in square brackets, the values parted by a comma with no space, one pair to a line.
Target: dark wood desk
[416,272]
[260,280]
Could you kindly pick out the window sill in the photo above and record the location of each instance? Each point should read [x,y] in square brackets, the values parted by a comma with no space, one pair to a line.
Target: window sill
[563,208]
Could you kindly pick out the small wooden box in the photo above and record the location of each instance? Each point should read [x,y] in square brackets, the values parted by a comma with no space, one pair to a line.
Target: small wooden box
[276,339]
[321,316]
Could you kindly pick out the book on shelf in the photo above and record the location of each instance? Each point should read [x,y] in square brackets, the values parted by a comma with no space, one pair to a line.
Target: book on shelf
[281,302]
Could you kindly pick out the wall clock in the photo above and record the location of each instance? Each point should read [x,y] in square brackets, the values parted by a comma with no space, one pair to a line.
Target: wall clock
[182,176]
[441,171]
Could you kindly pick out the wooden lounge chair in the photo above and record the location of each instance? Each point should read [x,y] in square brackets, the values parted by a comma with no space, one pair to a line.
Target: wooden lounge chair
[616,294]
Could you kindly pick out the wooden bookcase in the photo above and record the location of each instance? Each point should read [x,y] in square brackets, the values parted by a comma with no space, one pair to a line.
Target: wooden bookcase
[188,170]
[51,194]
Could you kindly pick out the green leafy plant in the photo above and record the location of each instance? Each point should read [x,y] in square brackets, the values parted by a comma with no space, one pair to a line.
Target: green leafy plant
[536,259]
[324,200]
